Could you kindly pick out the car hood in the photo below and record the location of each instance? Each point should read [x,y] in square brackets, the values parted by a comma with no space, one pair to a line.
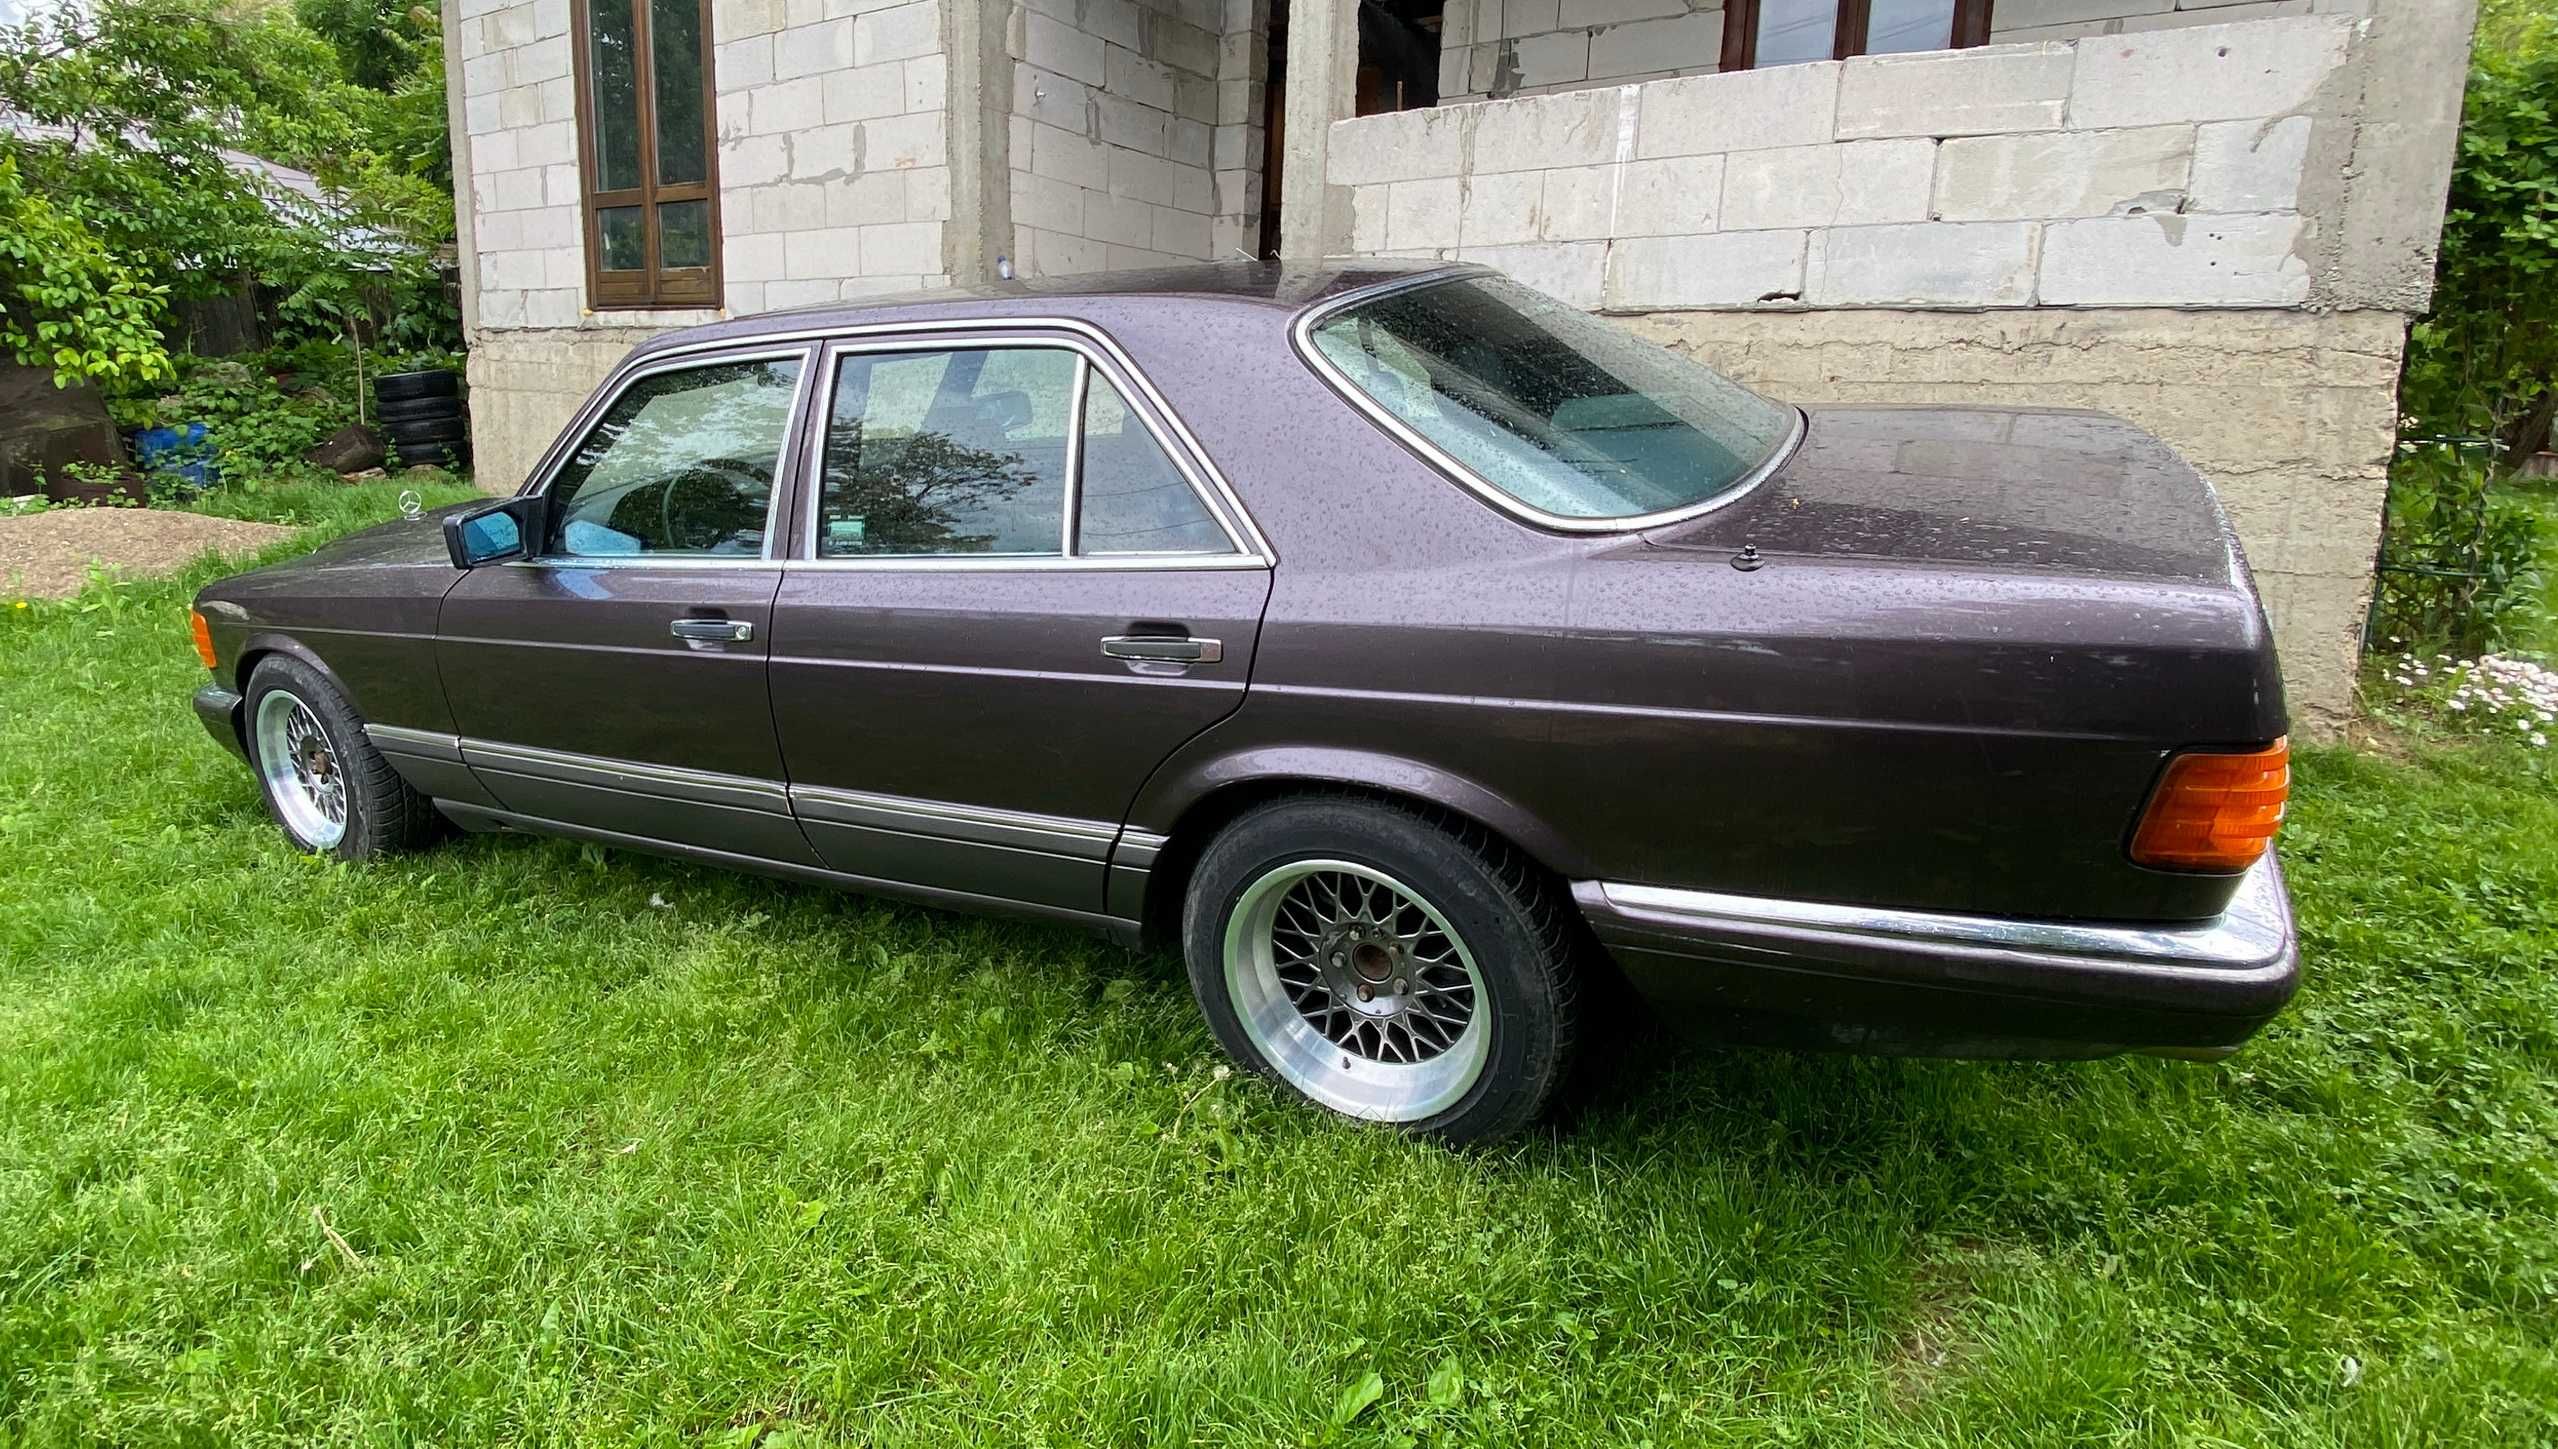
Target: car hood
[1981,488]
[401,543]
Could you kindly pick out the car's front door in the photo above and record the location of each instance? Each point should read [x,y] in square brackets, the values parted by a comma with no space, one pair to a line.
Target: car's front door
[1007,603]
[614,680]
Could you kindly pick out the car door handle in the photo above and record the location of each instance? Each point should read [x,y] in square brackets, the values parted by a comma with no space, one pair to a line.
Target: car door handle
[712,631]
[1164,648]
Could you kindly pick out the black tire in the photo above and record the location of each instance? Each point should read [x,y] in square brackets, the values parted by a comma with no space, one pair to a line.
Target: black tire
[1500,909]
[455,456]
[391,386]
[433,430]
[382,813]
[419,410]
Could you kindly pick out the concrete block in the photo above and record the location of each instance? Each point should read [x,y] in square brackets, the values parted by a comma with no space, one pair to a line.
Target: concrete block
[785,106]
[753,160]
[2249,165]
[752,258]
[518,190]
[901,248]
[1554,59]
[864,200]
[778,295]
[1068,156]
[902,142]
[549,145]
[1720,269]
[2175,261]
[1194,189]
[1239,194]
[1182,46]
[1850,183]
[863,92]
[831,251]
[561,187]
[1397,146]
[928,194]
[559,100]
[2234,14]
[1189,143]
[495,152]
[825,151]
[1060,48]
[744,63]
[897,34]
[796,13]
[1956,264]
[812,49]
[554,307]
[1126,123]
[744,299]
[1746,110]
[2064,12]
[1992,89]
[2206,72]
[1499,208]
[927,82]
[1115,219]
[1423,213]
[729,21]
[1116,22]
[1529,17]
[1048,204]
[1182,234]
[1575,128]
[1136,174]
[1670,196]
[564,268]
[1574,272]
[2003,34]
[1368,217]
[1687,42]
[1194,98]
[2063,173]
[1052,98]
[521,106]
[1147,82]
[1593,14]
[1579,203]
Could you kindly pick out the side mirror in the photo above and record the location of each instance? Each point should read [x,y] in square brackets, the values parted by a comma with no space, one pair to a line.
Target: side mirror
[493,534]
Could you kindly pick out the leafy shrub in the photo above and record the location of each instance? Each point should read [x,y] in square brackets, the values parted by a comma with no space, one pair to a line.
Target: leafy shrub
[2461,562]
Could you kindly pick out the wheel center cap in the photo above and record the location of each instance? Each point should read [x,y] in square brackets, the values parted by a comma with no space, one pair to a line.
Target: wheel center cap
[1372,962]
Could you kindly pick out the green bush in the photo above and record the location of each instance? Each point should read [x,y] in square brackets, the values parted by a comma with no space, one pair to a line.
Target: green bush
[2461,562]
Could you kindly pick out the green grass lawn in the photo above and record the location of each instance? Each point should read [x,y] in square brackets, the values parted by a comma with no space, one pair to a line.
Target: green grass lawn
[521,1141]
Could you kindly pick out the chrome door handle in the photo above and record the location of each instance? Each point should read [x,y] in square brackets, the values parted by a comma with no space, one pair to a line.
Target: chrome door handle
[1164,648]
[712,631]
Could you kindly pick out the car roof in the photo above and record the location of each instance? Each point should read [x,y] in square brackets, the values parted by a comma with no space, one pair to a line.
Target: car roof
[1285,287]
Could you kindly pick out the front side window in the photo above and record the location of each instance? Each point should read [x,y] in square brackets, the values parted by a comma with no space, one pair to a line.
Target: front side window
[977,451]
[1561,412]
[1786,32]
[682,463]
[645,132]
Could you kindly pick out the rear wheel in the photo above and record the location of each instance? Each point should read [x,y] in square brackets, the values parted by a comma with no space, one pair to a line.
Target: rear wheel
[1383,966]
[325,783]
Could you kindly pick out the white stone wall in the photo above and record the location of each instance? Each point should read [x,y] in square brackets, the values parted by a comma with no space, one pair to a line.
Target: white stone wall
[833,165]
[2170,171]
[1113,133]
[1503,48]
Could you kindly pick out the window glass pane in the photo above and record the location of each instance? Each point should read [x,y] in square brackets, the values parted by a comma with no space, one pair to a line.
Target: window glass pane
[683,234]
[613,69]
[675,37]
[682,463]
[1134,499]
[960,452]
[1797,30]
[623,241]
[1566,412]
[1903,25]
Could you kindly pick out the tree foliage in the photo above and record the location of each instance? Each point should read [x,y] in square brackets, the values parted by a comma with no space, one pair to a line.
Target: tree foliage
[135,122]
[2486,362]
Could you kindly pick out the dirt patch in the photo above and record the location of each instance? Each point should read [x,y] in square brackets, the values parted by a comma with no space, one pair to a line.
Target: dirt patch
[47,555]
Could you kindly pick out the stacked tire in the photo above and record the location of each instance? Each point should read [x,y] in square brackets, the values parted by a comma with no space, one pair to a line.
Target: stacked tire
[422,418]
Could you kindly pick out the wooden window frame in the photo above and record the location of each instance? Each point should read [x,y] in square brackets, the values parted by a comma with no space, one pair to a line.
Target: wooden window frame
[652,285]
[1741,29]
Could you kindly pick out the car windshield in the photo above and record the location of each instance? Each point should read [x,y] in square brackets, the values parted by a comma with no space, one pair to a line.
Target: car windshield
[1569,415]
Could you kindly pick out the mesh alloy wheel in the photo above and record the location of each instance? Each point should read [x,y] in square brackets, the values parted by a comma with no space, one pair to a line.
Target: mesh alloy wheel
[1356,990]
[301,770]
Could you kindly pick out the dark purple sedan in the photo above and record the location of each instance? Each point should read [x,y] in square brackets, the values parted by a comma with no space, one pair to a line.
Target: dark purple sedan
[1415,650]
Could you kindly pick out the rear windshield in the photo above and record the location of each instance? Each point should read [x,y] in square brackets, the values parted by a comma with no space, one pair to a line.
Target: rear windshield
[1567,414]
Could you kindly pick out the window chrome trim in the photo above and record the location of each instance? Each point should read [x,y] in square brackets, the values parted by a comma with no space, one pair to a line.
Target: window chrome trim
[2255,928]
[1244,546]
[545,474]
[1301,336]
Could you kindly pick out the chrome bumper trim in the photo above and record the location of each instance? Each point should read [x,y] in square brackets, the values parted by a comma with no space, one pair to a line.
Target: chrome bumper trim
[2255,930]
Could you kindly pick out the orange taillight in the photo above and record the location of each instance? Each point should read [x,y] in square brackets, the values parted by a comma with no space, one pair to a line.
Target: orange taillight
[203,637]
[2215,811]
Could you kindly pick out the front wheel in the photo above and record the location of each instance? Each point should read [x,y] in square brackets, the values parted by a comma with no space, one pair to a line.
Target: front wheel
[1383,966]
[325,783]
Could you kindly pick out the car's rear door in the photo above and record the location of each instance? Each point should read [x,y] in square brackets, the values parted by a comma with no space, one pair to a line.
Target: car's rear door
[1014,589]
[615,679]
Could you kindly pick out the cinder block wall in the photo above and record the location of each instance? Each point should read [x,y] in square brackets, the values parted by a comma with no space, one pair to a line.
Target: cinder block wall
[1494,49]
[2216,231]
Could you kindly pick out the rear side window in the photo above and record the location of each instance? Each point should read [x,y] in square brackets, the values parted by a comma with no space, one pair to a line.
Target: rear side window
[977,451]
[682,463]
[1563,413]
[957,452]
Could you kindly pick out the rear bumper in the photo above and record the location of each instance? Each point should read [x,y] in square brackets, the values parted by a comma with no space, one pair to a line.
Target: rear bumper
[219,708]
[1928,983]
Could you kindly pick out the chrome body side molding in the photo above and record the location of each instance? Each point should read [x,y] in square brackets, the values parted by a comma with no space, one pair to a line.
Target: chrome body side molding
[971,824]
